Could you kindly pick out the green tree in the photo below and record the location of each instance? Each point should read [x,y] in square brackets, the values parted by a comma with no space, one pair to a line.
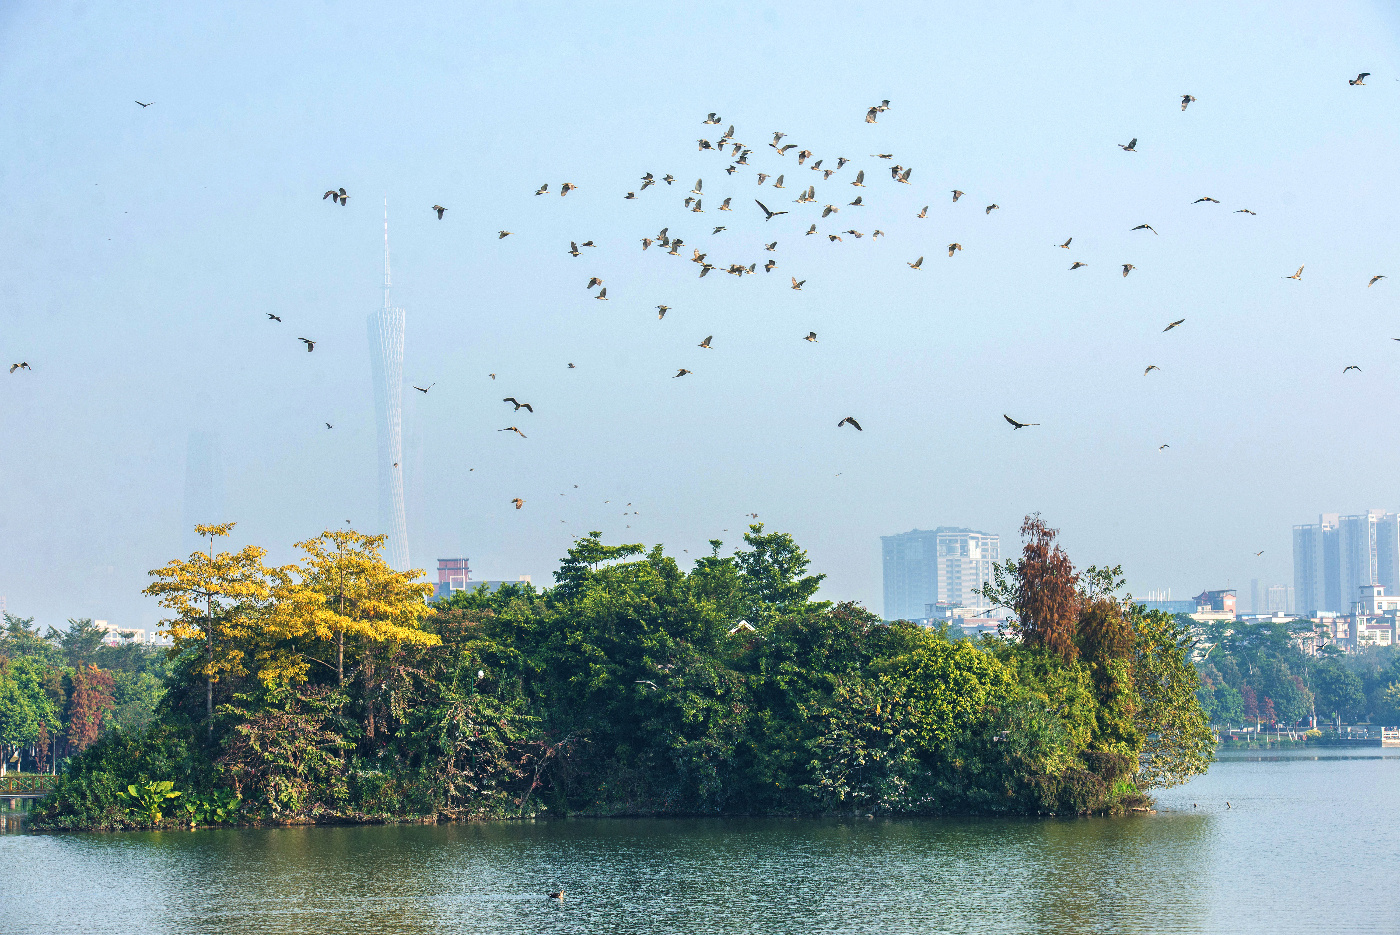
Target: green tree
[81,642]
[1339,691]
[24,706]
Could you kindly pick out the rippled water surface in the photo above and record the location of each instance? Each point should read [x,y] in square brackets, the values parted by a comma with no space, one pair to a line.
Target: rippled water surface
[1310,844]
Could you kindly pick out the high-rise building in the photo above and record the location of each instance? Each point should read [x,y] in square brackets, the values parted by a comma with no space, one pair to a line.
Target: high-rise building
[1279,600]
[453,575]
[1339,555]
[939,566]
[1317,563]
[386,333]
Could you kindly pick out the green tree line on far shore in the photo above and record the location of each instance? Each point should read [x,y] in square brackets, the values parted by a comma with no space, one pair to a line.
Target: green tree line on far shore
[333,690]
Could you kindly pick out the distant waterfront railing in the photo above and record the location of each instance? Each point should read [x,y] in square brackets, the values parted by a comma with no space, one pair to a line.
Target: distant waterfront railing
[31,786]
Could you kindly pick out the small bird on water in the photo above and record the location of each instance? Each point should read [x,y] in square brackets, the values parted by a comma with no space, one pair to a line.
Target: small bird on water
[557,894]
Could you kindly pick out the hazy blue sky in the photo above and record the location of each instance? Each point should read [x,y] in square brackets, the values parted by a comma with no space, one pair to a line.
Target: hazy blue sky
[143,247]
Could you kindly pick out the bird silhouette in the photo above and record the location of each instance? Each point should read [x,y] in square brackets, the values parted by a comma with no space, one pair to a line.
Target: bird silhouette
[440,210]
[424,389]
[1131,147]
[1066,244]
[956,195]
[1186,99]
[1160,447]
[519,502]
[511,428]
[1374,280]
[954,248]
[858,183]
[767,216]
[1245,211]
[991,208]
[811,336]
[923,213]
[518,405]
[849,420]
[543,189]
[797,285]
[915,265]
[337,194]
[329,426]
[661,311]
[273,317]
[1174,324]
[502,235]
[1351,367]
[566,188]
[602,294]
[1259,553]
[706,343]
[680,373]
[1297,275]
[22,365]
[1017,425]
[310,344]
[1078,264]
[1214,201]
[144,106]
[1360,79]
[1150,368]
[1128,268]
[1144,227]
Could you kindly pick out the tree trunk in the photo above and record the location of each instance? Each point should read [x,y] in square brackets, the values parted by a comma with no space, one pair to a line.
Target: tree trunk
[369,696]
[340,657]
[209,690]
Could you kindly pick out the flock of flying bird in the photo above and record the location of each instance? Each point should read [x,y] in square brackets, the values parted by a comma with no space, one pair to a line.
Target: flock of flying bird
[737,155]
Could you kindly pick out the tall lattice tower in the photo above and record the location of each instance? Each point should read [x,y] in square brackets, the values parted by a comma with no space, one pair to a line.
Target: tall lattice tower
[386,361]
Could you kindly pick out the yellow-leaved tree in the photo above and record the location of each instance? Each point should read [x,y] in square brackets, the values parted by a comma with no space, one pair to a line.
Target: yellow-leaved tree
[220,601]
[346,598]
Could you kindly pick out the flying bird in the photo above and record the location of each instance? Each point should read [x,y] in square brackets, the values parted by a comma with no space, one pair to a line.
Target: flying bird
[797,285]
[680,373]
[1017,425]
[1131,147]
[1245,211]
[22,365]
[602,294]
[424,389]
[882,155]
[1214,201]
[1173,324]
[593,281]
[518,405]
[851,421]
[1066,244]
[1360,79]
[566,188]
[706,343]
[275,318]
[991,208]
[337,195]
[1144,227]
[857,202]
[1259,553]
[923,213]
[1078,264]
[310,345]
[661,311]
[1351,367]
[511,428]
[543,189]
[1186,99]
[767,214]
[956,194]
[1374,280]
[573,247]
[439,209]
[1150,368]
[1160,447]
[329,426]
[811,230]
[491,375]
[1297,275]
[952,248]
[811,336]
[1128,268]
[143,106]
[519,502]
[502,235]
[830,210]
[859,182]
[717,230]
[769,266]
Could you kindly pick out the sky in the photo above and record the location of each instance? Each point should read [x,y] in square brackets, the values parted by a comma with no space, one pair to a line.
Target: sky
[144,247]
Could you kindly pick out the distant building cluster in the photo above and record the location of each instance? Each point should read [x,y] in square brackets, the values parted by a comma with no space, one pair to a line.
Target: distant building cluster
[455,574]
[933,575]
[127,636]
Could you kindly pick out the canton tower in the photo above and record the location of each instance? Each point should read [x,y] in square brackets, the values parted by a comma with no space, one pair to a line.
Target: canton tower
[386,363]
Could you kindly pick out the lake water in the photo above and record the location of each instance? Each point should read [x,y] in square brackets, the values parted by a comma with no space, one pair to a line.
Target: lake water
[1310,844]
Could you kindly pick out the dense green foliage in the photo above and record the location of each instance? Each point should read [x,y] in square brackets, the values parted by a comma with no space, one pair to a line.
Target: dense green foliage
[636,687]
[59,692]
[1256,672]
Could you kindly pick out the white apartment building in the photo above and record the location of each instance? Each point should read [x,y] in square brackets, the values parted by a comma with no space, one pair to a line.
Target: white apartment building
[923,568]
